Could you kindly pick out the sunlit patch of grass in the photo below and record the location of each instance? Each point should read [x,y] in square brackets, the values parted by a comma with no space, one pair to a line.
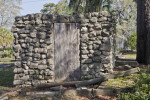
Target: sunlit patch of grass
[130,56]
[6,60]
[121,82]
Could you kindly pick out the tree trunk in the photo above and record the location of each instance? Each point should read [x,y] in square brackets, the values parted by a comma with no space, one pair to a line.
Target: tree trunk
[141,32]
[147,19]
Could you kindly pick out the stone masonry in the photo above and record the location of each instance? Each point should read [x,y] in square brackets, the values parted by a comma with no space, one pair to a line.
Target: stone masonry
[34,46]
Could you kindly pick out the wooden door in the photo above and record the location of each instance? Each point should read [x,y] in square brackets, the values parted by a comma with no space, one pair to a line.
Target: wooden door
[66,48]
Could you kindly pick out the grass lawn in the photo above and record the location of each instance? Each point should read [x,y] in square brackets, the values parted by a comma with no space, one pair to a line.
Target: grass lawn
[121,82]
[130,56]
[6,77]
[6,60]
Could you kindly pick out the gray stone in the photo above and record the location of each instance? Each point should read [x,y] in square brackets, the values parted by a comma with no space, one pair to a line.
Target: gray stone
[97,53]
[41,35]
[93,19]
[84,51]
[31,72]
[84,67]
[106,40]
[17,48]
[95,47]
[91,29]
[106,25]
[62,19]
[91,51]
[102,19]
[98,33]
[84,35]
[33,34]
[90,47]
[106,60]
[96,59]
[94,14]
[26,72]
[97,42]
[43,62]
[42,67]
[48,41]
[90,42]
[37,55]
[83,45]
[92,34]
[84,20]
[105,32]
[49,73]
[86,61]
[18,63]
[23,35]
[33,65]
[45,50]
[23,45]
[25,78]
[90,25]
[105,13]
[18,70]
[41,40]
[84,56]
[18,82]
[43,56]
[105,47]
[105,53]
[83,48]
[84,29]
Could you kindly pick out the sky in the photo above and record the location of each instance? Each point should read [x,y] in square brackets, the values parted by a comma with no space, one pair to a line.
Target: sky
[34,6]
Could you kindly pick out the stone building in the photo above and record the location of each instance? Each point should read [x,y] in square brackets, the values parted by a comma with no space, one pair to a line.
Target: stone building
[50,48]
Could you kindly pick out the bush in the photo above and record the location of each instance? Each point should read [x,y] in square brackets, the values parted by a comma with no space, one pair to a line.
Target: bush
[7,53]
[141,90]
[131,41]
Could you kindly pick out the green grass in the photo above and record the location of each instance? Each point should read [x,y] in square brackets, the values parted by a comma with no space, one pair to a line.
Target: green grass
[121,82]
[6,59]
[6,77]
[130,56]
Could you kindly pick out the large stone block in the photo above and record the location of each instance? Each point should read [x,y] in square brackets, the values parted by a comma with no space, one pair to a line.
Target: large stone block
[17,48]
[41,35]
[18,82]
[18,70]
[84,51]
[84,29]
[33,65]
[105,47]
[93,19]
[42,67]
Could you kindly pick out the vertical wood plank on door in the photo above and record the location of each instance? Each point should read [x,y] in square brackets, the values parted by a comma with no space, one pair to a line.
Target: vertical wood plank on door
[66,48]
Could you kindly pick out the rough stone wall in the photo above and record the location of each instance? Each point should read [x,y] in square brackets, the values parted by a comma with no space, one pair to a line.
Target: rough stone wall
[34,46]
[97,44]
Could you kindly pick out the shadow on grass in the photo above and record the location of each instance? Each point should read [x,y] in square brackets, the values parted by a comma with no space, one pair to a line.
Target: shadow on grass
[6,77]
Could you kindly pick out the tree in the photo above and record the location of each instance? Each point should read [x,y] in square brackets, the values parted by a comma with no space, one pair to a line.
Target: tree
[6,38]
[143,55]
[131,41]
[8,10]
[126,15]
[60,8]
[84,6]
